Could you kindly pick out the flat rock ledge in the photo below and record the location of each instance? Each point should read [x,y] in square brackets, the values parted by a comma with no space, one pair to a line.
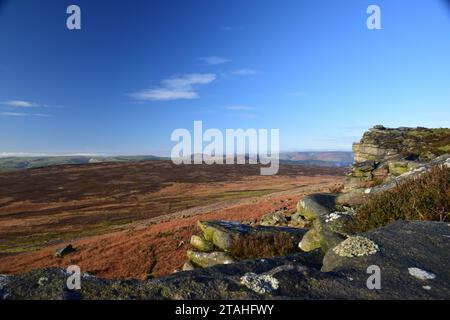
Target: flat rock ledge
[413,259]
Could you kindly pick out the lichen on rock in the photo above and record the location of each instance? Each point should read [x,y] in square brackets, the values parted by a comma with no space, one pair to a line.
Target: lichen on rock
[356,246]
[421,274]
[262,284]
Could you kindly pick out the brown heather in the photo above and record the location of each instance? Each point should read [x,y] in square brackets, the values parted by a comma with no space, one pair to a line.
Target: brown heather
[264,246]
[424,198]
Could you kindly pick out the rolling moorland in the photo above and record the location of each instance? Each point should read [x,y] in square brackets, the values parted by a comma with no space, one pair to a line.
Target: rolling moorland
[44,206]
[319,239]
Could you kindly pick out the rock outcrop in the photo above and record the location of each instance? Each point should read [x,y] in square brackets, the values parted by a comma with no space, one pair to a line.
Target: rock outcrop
[412,259]
[385,153]
[223,242]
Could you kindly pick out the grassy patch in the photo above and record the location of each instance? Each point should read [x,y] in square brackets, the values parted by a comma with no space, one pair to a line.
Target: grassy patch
[39,240]
[424,198]
[445,149]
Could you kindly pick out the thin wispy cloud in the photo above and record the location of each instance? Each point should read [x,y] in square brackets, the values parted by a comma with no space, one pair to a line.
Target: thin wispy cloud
[20,104]
[176,88]
[244,72]
[213,60]
[22,114]
[26,104]
[13,114]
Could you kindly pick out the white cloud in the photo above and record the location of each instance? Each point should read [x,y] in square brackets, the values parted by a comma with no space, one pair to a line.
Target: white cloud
[20,104]
[213,60]
[239,108]
[244,72]
[176,88]
[13,114]
[22,114]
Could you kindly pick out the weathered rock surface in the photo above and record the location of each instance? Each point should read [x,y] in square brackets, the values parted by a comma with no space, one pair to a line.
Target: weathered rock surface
[283,219]
[208,259]
[201,244]
[413,258]
[404,247]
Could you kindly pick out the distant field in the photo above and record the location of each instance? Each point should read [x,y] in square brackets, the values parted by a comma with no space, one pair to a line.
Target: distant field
[40,206]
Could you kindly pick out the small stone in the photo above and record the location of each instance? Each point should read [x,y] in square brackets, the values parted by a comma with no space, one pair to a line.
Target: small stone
[180,244]
[188,266]
[60,253]
[356,246]
[421,274]
[427,287]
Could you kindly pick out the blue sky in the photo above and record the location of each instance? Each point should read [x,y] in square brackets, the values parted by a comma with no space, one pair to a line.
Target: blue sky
[140,69]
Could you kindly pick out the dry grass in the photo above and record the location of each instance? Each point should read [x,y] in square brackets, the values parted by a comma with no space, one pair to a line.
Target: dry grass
[424,198]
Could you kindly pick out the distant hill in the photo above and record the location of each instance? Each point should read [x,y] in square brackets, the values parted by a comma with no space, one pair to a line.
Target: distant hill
[18,163]
[323,159]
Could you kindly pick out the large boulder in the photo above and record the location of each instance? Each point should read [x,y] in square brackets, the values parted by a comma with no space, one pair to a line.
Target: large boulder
[225,235]
[224,242]
[325,232]
[315,205]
